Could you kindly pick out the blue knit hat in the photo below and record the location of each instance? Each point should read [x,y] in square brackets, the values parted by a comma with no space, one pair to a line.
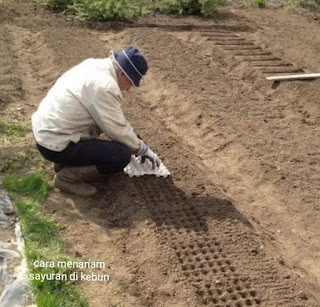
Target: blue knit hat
[132,63]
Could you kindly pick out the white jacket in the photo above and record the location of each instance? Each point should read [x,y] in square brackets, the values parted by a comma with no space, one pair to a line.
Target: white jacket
[84,98]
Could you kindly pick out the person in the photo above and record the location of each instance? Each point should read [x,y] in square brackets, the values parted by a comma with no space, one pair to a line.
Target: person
[83,102]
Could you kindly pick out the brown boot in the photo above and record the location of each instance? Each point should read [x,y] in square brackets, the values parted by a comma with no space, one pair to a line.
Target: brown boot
[71,180]
[86,173]
[58,167]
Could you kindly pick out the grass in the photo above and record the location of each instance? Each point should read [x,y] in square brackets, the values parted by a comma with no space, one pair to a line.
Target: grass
[20,161]
[43,242]
[108,9]
[128,10]
[205,8]
[305,3]
[260,3]
[12,132]
[34,185]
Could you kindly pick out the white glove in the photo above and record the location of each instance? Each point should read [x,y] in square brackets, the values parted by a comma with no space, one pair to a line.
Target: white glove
[147,153]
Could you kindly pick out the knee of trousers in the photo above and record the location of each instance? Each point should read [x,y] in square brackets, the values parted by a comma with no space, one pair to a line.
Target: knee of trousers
[125,156]
[121,160]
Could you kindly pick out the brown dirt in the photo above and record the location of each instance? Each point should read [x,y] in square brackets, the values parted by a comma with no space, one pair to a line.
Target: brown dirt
[237,222]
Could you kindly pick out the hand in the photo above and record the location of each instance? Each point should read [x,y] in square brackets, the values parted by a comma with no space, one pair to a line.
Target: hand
[151,156]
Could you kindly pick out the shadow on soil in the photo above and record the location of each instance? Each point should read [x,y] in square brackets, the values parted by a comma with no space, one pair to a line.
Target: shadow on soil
[123,201]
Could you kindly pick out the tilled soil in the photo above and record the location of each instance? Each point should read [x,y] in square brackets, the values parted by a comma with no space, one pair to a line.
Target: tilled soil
[237,222]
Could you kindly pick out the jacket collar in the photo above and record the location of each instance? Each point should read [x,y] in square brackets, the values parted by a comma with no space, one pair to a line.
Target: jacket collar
[113,74]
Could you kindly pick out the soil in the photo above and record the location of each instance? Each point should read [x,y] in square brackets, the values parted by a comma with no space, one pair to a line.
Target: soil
[236,224]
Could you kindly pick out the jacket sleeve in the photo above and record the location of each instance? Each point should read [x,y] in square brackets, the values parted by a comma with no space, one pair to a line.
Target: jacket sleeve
[107,113]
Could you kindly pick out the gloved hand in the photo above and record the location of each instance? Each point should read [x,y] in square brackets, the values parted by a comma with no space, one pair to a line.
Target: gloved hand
[151,156]
[146,153]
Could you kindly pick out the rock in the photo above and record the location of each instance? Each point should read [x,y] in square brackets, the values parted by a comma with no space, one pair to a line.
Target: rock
[5,204]
[3,224]
[303,296]
[70,202]
[3,217]
[6,253]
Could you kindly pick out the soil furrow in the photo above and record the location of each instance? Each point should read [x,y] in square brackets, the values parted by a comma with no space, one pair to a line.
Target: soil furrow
[10,81]
[232,162]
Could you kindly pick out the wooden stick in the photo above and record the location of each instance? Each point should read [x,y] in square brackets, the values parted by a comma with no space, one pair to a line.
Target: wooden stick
[293,77]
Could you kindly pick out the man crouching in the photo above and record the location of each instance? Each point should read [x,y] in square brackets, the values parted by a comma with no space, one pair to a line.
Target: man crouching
[85,101]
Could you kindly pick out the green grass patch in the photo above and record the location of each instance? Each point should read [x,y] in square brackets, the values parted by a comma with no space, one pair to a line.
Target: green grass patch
[260,3]
[305,3]
[19,162]
[14,129]
[11,132]
[189,7]
[128,10]
[43,242]
[108,9]
[34,185]
[57,4]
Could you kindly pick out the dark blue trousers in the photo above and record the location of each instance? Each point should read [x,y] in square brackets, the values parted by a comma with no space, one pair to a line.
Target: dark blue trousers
[107,156]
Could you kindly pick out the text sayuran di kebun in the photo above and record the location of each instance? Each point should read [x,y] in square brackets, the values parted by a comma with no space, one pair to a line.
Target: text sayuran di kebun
[73,276]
